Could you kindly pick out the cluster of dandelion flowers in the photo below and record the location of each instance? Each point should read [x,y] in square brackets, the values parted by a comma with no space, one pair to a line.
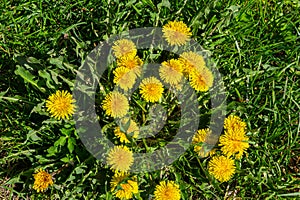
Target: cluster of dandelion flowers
[171,71]
[201,80]
[60,105]
[123,186]
[115,104]
[120,158]
[234,141]
[199,138]
[131,62]
[221,167]
[191,61]
[176,33]
[151,89]
[167,190]
[124,47]
[42,180]
[124,78]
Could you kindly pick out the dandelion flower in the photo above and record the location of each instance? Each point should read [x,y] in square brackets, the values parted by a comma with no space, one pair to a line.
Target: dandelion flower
[176,33]
[42,180]
[131,62]
[124,187]
[115,104]
[234,141]
[60,105]
[171,71]
[120,158]
[124,78]
[151,89]
[124,47]
[132,129]
[191,61]
[234,123]
[121,135]
[199,138]
[167,190]
[221,167]
[201,80]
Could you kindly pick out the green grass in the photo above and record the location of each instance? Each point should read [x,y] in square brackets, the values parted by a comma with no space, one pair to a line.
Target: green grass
[255,44]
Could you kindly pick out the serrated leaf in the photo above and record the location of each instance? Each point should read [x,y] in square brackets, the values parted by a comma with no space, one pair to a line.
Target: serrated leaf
[33,60]
[52,150]
[65,160]
[61,141]
[79,170]
[57,62]
[33,136]
[39,109]
[71,144]
[28,77]
[164,3]
[47,76]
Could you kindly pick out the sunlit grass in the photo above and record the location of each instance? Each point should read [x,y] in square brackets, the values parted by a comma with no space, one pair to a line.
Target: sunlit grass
[255,45]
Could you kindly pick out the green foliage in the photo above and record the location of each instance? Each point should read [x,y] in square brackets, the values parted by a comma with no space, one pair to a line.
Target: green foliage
[255,45]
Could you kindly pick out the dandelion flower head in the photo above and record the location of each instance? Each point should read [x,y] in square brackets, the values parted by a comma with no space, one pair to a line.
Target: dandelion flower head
[234,141]
[131,62]
[176,33]
[221,167]
[167,190]
[199,138]
[120,158]
[131,127]
[60,105]
[151,89]
[234,123]
[191,61]
[124,47]
[127,186]
[42,180]
[201,80]
[124,78]
[115,104]
[171,71]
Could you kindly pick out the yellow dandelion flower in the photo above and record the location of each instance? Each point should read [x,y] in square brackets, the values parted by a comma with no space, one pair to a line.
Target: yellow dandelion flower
[120,158]
[132,130]
[123,186]
[131,62]
[234,143]
[151,89]
[199,138]
[124,78]
[124,47]
[176,33]
[234,123]
[201,80]
[60,105]
[221,167]
[171,71]
[191,61]
[42,180]
[133,127]
[115,104]
[121,135]
[167,190]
